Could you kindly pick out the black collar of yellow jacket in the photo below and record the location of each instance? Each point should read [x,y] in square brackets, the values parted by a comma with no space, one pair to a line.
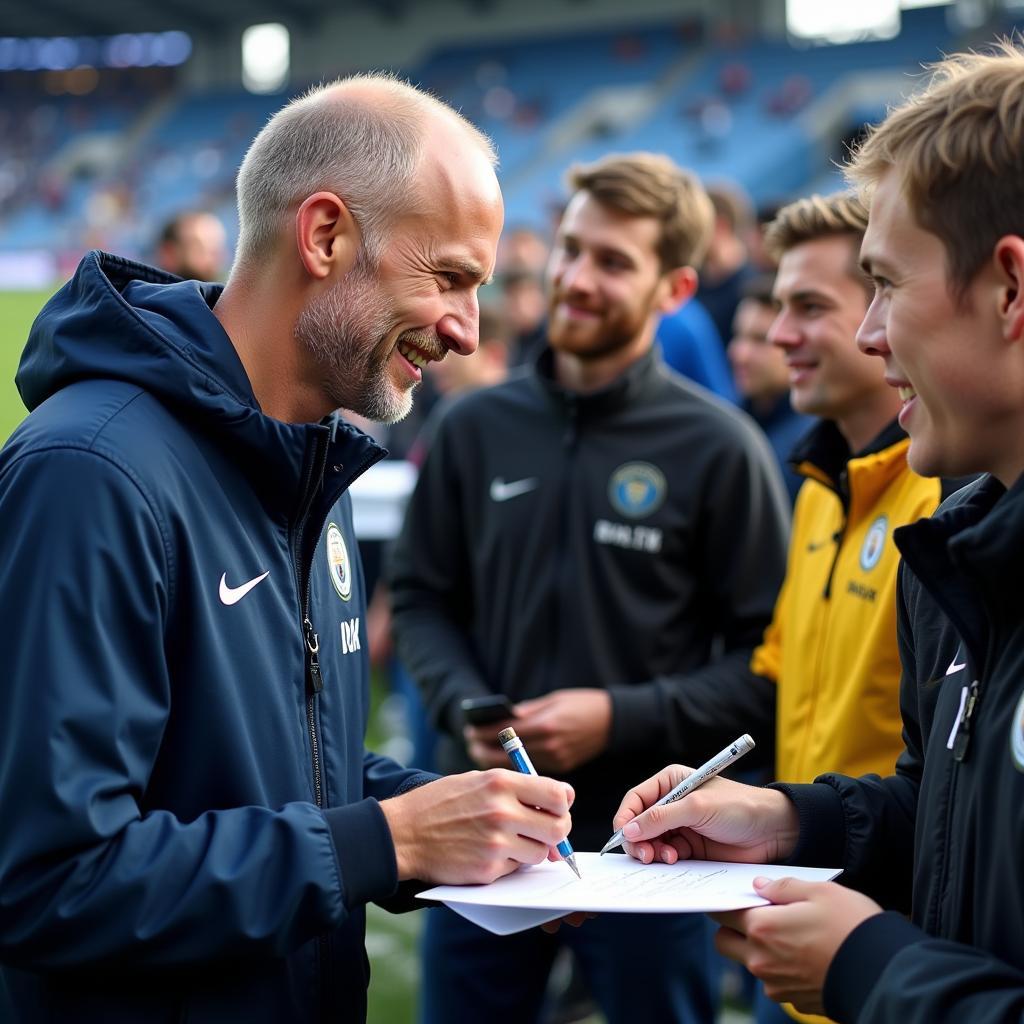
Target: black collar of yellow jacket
[825,456]
[633,384]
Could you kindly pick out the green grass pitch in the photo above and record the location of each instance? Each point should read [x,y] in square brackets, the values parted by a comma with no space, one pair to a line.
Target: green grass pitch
[17,311]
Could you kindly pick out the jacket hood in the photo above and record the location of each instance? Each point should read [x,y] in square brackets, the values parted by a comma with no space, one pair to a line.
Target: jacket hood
[121,320]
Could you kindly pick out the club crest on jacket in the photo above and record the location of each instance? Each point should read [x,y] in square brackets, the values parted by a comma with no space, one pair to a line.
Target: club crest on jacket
[1017,735]
[338,562]
[874,543]
[636,489]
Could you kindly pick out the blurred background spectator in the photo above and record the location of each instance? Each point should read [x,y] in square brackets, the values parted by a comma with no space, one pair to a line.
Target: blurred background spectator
[727,264]
[762,377]
[193,245]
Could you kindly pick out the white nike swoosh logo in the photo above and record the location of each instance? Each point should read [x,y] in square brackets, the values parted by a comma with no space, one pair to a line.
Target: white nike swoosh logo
[954,667]
[501,491]
[232,595]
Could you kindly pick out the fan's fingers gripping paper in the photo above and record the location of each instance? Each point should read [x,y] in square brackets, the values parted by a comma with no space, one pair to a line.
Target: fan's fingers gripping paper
[613,884]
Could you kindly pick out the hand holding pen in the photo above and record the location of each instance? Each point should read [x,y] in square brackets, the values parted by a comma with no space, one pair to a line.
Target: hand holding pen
[723,821]
[513,746]
[475,827]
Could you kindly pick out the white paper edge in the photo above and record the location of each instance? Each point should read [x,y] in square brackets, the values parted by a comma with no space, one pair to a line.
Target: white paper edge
[505,920]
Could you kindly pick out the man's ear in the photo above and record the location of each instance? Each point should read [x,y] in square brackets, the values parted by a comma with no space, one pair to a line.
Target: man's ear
[1009,257]
[680,284]
[326,236]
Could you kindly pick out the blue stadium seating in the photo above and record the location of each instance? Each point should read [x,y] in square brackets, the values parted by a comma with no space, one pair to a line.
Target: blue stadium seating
[733,108]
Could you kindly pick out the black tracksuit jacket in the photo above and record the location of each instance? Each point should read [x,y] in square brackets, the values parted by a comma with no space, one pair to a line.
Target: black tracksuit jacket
[633,539]
[948,828]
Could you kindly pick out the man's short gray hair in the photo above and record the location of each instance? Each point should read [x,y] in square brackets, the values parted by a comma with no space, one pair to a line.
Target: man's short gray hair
[362,145]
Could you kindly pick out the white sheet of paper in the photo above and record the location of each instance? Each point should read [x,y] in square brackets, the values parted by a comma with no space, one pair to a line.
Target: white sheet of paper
[614,883]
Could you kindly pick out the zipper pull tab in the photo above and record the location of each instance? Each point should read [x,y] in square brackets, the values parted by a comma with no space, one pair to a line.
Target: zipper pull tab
[312,647]
[963,733]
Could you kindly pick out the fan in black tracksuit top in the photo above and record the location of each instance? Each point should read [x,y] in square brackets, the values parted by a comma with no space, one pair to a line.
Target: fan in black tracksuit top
[947,827]
[632,539]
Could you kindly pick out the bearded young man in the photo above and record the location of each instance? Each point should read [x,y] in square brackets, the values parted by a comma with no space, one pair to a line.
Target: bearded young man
[600,540]
[192,826]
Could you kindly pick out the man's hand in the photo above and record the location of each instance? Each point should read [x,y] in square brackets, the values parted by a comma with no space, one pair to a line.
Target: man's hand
[482,743]
[565,728]
[790,945]
[477,826]
[722,820]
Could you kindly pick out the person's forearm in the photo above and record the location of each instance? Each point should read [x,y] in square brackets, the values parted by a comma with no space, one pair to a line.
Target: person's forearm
[888,971]
[434,651]
[690,717]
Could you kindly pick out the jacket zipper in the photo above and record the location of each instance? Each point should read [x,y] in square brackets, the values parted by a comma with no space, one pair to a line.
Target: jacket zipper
[316,684]
[961,745]
[844,497]
[569,439]
[311,644]
[963,731]
[837,539]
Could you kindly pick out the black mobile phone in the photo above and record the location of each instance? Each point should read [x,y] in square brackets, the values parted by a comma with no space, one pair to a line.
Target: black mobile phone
[483,710]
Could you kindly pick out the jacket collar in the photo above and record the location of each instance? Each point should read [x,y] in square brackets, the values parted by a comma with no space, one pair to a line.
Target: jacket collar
[639,380]
[120,320]
[972,549]
[824,455]
[963,552]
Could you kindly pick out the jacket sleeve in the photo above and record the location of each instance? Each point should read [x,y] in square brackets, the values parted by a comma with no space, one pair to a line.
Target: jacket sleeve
[888,971]
[88,878]
[742,551]
[430,591]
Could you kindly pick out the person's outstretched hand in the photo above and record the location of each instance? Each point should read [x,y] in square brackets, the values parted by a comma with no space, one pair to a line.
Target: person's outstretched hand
[721,820]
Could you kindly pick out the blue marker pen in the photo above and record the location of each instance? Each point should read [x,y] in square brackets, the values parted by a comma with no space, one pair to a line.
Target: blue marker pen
[513,746]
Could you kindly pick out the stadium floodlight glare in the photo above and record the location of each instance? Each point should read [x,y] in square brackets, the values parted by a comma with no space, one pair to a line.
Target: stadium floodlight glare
[266,57]
[838,21]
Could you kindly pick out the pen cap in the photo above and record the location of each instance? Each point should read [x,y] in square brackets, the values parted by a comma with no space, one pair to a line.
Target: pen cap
[508,738]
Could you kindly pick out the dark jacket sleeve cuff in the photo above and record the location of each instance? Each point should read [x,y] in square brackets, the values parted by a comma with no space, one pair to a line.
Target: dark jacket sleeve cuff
[822,840]
[636,717]
[860,961]
[365,852]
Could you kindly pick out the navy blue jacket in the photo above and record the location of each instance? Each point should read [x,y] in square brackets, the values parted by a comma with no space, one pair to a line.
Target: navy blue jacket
[190,821]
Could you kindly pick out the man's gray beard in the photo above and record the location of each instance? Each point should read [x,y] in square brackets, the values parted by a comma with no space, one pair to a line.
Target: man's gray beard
[344,331]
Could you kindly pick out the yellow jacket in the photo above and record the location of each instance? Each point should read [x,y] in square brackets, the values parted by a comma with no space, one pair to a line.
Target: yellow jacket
[831,645]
